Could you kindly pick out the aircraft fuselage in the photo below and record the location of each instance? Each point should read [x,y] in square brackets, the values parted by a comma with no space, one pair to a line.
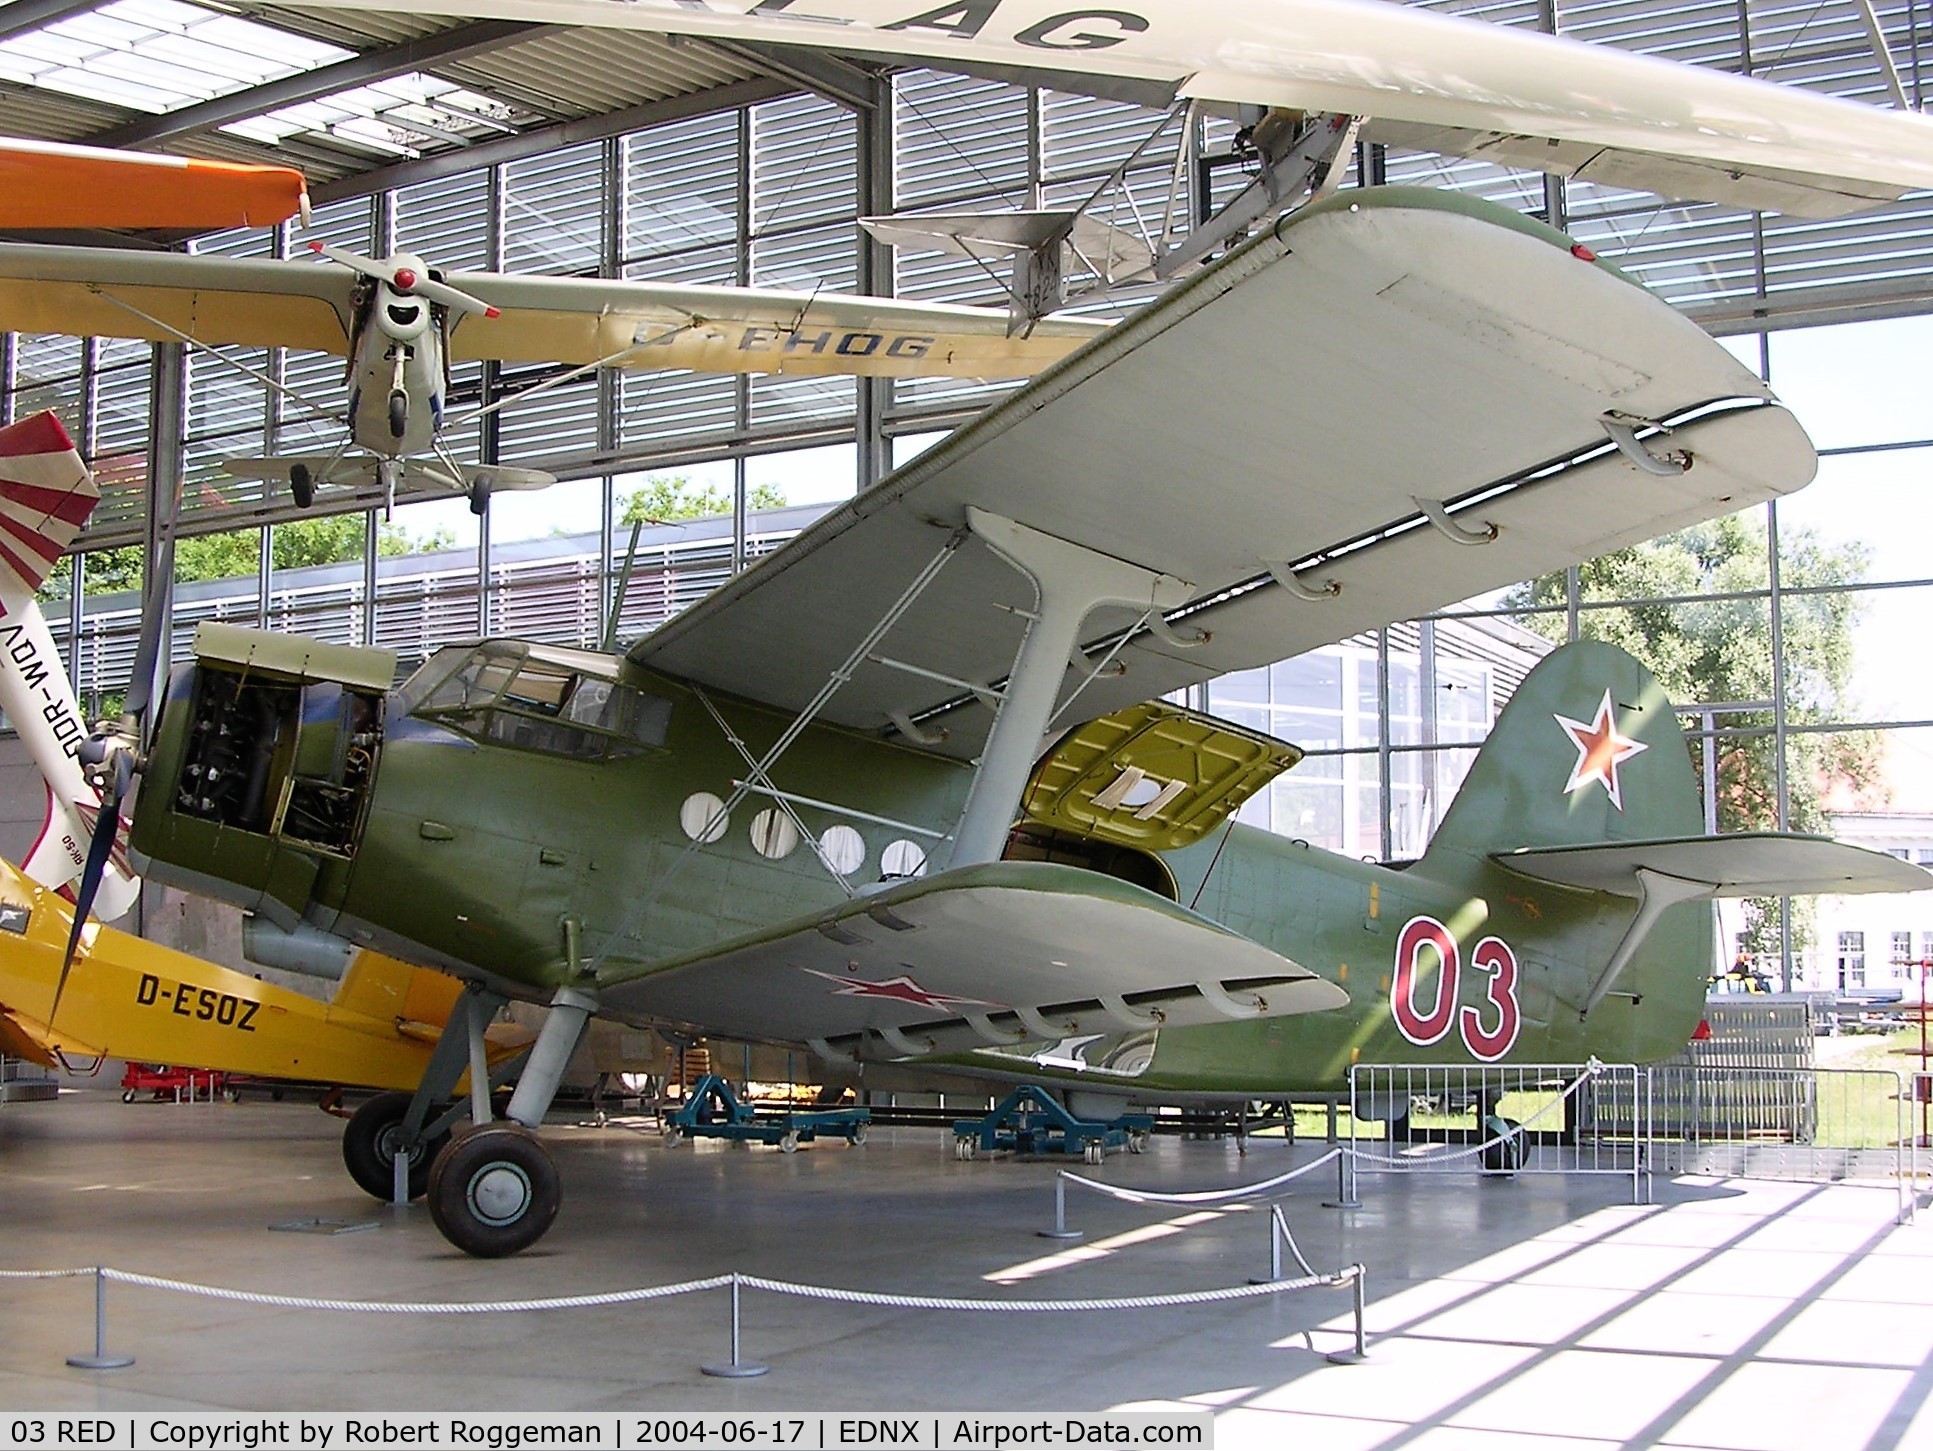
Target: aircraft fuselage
[515,847]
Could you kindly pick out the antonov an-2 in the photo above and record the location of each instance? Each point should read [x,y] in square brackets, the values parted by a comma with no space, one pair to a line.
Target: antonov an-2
[907,790]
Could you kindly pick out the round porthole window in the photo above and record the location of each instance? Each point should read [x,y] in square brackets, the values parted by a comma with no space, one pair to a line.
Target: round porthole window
[774,835]
[703,817]
[902,859]
[844,848]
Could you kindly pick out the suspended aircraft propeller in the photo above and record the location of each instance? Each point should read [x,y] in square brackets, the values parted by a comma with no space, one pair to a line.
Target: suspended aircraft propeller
[408,276]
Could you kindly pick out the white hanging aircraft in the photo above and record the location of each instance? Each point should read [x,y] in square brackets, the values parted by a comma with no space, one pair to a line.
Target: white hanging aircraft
[395,319]
[1412,77]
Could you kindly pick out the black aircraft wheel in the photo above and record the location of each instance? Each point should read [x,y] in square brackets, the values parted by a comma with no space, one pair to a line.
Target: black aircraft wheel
[301,485]
[494,1191]
[398,414]
[1505,1156]
[369,1145]
[479,495]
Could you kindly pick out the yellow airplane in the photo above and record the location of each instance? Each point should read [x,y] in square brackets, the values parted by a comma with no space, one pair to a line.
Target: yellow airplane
[129,998]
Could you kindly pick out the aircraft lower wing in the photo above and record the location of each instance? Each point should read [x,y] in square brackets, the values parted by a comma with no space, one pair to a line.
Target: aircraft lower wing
[1388,402]
[1691,132]
[1749,864]
[984,955]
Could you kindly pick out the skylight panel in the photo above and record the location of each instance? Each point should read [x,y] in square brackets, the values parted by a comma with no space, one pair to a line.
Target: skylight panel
[404,115]
[158,55]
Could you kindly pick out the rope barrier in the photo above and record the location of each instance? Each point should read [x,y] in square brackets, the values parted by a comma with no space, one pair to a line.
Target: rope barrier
[1200,1196]
[1351,1276]
[427,1307]
[45,1274]
[1129,1302]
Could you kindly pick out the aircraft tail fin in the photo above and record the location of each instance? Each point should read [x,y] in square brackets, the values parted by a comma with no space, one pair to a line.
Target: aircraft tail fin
[1588,751]
[46,494]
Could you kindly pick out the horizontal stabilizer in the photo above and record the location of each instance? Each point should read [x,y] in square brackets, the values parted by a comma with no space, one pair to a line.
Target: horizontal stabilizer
[1750,864]
[347,470]
[982,956]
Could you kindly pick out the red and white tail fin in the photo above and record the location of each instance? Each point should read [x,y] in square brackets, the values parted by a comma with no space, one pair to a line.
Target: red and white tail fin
[46,494]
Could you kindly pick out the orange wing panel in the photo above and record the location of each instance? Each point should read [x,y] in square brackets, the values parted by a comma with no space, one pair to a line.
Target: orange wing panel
[44,184]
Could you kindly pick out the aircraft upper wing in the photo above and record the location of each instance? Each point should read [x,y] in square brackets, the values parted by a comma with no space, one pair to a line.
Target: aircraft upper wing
[1292,406]
[300,304]
[1749,864]
[917,964]
[48,184]
[1691,132]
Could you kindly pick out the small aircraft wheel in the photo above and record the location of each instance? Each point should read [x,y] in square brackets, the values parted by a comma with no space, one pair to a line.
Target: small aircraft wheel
[479,496]
[1505,1156]
[494,1190]
[398,414]
[301,485]
[858,1137]
[370,1142]
[789,1142]
[127,1095]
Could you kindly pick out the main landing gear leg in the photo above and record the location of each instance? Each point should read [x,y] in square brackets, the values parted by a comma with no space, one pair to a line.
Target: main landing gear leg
[410,1128]
[494,1190]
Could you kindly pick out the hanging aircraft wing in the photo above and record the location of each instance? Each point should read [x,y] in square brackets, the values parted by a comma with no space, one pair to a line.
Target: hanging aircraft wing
[48,184]
[966,958]
[157,296]
[1303,408]
[1748,864]
[1690,132]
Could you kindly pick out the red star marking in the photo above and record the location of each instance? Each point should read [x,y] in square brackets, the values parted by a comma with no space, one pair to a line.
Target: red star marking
[1600,751]
[901,989]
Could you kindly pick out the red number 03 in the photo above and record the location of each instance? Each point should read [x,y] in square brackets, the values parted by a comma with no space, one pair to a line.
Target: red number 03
[1430,1024]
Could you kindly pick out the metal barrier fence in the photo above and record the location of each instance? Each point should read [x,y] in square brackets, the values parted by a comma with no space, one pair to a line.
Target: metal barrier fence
[1541,1118]
[1814,1125]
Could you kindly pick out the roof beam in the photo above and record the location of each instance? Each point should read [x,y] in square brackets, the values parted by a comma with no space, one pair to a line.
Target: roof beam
[836,80]
[24,16]
[550,138]
[445,47]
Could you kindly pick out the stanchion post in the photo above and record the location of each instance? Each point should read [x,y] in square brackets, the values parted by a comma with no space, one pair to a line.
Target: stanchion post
[1060,1229]
[1276,1228]
[738,1369]
[1345,1181]
[100,1359]
[1360,1353]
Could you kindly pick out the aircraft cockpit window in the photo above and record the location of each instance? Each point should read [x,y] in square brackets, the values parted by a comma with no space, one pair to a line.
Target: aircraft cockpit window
[540,705]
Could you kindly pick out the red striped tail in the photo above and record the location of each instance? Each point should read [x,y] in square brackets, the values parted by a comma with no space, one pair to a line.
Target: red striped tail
[46,494]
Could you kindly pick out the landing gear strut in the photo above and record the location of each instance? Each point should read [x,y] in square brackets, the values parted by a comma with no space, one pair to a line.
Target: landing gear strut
[494,1190]
[373,1139]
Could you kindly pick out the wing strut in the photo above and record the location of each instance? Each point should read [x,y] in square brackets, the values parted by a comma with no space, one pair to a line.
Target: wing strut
[1071,580]
[1656,892]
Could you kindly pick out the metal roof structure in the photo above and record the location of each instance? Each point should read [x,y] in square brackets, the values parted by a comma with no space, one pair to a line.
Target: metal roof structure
[360,101]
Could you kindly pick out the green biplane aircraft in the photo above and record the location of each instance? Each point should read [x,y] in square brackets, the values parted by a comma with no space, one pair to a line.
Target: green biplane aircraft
[907,790]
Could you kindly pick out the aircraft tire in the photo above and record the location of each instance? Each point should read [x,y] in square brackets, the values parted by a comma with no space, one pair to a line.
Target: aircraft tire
[301,485]
[1506,1156]
[494,1191]
[479,496]
[369,1148]
[398,414]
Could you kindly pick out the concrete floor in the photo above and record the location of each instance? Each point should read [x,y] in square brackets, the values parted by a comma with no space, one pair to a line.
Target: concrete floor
[1534,1313]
